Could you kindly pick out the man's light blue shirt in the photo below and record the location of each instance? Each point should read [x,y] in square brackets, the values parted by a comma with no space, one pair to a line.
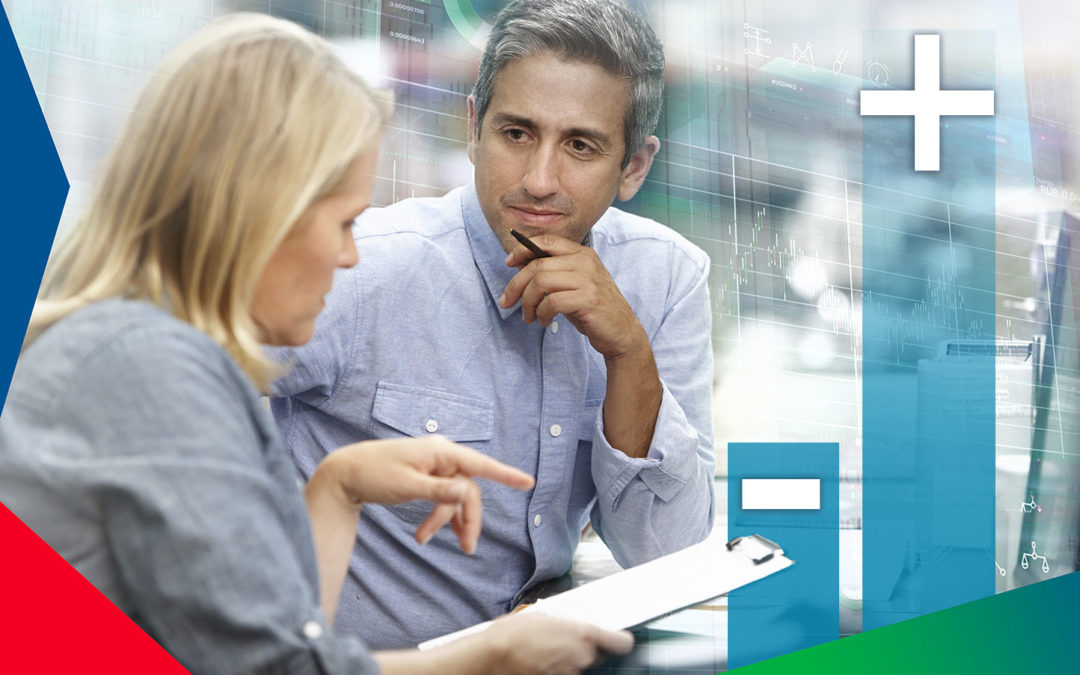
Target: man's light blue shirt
[413,342]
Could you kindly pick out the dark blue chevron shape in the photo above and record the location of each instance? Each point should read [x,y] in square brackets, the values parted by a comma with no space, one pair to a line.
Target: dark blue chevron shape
[33,188]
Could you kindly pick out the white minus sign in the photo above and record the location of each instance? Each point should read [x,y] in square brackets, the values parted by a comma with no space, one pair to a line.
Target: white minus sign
[781,493]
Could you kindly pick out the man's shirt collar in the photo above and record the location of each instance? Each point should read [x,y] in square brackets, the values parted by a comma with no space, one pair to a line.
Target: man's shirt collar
[487,252]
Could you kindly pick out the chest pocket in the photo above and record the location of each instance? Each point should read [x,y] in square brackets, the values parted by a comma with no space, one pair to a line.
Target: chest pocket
[402,410]
[419,411]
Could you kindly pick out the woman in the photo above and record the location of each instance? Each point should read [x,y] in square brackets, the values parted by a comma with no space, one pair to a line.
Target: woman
[134,440]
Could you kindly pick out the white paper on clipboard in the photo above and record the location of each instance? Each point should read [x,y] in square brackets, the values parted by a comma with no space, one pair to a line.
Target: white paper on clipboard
[667,584]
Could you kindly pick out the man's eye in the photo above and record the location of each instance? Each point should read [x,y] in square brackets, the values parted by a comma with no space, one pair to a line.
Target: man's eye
[515,134]
[581,147]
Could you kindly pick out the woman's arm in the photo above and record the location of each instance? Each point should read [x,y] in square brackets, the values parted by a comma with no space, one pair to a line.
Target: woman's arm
[440,471]
[334,518]
[391,472]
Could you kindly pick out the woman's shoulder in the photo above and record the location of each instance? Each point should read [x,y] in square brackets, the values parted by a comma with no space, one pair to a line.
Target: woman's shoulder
[97,326]
[124,352]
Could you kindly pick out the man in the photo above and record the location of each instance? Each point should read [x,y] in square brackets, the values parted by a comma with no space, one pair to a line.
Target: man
[590,369]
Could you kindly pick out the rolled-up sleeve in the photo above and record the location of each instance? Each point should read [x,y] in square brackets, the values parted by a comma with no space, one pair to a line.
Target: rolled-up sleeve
[648,507]
[201,510]
[203,555]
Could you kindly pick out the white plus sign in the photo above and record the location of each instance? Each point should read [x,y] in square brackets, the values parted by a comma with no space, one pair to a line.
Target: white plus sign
[927,102]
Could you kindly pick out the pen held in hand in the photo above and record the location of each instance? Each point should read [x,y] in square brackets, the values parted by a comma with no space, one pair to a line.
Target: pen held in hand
[527,243]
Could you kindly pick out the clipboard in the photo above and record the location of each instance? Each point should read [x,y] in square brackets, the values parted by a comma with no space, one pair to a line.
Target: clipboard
[654,589]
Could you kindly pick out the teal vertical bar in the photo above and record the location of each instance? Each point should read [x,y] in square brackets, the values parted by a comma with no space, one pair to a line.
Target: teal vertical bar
[928,409]
[798,607]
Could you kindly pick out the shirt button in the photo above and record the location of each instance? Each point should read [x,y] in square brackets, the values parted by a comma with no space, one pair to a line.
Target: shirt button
[555,430]
[537,519]
[432,426]
[312,630]
[554,326]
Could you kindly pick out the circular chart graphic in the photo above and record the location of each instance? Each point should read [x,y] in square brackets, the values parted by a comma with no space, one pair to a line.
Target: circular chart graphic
[468,21]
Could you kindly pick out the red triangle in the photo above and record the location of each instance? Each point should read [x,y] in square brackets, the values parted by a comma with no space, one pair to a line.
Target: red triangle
[54,621]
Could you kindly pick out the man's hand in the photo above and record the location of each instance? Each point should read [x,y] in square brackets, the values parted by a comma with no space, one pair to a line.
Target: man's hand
[573,282]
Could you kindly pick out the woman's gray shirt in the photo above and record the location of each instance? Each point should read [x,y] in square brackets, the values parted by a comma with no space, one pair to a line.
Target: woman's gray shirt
[137,448]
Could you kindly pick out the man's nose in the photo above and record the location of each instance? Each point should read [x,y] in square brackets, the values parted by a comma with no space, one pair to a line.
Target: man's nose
[542,173]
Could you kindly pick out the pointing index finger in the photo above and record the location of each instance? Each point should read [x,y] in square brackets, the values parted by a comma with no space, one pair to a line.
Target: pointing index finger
[473,463]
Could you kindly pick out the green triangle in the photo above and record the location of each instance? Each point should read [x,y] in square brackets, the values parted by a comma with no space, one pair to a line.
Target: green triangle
[1029,630]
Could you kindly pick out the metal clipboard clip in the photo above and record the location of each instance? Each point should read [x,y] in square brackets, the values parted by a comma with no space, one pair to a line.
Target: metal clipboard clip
[771,548]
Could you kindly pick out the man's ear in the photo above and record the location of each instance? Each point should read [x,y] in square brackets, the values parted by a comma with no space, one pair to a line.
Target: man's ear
[634,173]
[473,129]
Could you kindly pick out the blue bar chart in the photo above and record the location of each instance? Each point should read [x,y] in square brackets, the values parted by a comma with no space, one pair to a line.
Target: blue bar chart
[771,493]
[928,356]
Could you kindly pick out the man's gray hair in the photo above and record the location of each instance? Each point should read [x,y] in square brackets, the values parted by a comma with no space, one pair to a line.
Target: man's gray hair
[601,32]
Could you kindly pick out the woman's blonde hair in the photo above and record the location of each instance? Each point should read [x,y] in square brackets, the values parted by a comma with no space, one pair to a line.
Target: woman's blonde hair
[237,132]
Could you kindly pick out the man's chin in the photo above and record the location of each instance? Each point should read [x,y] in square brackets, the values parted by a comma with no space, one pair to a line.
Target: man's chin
[561,229]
